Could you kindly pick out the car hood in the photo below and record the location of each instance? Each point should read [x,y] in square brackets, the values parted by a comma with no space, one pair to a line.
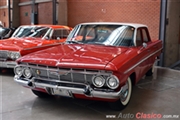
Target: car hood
[75,56]
[17,44]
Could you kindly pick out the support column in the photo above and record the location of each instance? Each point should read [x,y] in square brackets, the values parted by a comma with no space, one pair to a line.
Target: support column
[15,14]
[162,29]
[62,12]
[9,13]
[54,12]
[171,53]
[33,12]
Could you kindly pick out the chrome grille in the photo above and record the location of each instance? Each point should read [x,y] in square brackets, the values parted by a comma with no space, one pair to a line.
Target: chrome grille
[3,54]
[65,74]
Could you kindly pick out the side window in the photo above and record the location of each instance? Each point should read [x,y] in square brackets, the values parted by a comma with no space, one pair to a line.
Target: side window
[60,34]
[139,38]
[90,33]
[145,37]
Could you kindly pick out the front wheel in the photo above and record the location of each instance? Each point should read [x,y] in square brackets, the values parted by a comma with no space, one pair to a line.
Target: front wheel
[149,72]
[124,96]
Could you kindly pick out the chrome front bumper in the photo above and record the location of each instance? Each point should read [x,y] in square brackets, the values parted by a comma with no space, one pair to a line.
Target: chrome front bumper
[87,90]
[7,64]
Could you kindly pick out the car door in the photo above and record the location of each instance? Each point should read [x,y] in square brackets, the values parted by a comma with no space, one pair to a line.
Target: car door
[144,51]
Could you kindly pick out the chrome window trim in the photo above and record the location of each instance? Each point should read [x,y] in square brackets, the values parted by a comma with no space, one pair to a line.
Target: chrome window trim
[49,32]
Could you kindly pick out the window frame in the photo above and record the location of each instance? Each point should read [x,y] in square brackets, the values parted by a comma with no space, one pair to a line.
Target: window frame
[142,36]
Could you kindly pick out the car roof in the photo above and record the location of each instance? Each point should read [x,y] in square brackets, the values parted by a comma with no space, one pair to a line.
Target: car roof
[135,25]
[51,26]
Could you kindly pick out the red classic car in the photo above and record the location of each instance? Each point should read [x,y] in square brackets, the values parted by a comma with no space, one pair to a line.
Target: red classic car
[30,38]
[99,61]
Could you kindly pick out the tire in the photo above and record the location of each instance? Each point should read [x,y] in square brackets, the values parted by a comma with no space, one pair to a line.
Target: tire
[124,99]
[41,94]
[149,72]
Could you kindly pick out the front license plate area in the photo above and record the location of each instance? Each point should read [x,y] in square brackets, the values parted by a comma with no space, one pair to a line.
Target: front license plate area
[61,92]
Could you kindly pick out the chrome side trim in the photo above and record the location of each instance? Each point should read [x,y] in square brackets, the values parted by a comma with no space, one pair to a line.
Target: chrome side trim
[141,61]
[44,46]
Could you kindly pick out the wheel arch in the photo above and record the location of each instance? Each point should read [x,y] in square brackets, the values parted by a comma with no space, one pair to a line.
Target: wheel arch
[133,78]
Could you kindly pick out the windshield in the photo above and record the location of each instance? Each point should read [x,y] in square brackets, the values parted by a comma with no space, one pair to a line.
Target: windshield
[60,33]
[114,35]
[30,31]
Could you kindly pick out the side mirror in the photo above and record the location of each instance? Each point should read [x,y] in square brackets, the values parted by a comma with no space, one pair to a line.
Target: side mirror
[144,45]
[58,38]
[47,38]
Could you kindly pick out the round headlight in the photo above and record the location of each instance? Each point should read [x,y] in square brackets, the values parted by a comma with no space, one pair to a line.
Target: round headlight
[98,81]
[27,73]
[112,82]
[17,55]
[12,55]
[18,70]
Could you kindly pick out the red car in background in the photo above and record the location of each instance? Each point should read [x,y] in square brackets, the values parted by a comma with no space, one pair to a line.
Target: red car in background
[30,38]
[99,61]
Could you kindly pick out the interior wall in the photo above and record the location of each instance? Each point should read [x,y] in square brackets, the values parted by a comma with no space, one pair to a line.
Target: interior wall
[172,44]
[43,8]
[4,16]
[133,11]
[179,52]
[62,12]
[15,14]
[179,36]
[45,13]
[25,15]
[4,13]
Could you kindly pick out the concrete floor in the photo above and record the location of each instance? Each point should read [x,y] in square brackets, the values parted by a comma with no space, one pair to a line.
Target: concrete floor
[160,96]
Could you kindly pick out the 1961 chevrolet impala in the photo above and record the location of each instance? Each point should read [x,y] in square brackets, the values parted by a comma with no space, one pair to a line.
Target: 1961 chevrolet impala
[30,38]
[99,61]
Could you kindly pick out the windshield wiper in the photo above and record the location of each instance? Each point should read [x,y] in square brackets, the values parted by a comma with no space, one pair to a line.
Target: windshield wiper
[74,42]
[99,43]
[95,43]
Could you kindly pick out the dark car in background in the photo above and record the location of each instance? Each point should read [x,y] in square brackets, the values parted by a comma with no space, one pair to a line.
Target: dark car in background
[6,32]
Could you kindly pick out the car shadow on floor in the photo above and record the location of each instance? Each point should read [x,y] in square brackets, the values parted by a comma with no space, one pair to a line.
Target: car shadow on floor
[71,108]
[6,71]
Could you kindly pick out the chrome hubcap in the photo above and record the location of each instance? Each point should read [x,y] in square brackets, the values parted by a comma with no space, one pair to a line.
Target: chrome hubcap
[124,92]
